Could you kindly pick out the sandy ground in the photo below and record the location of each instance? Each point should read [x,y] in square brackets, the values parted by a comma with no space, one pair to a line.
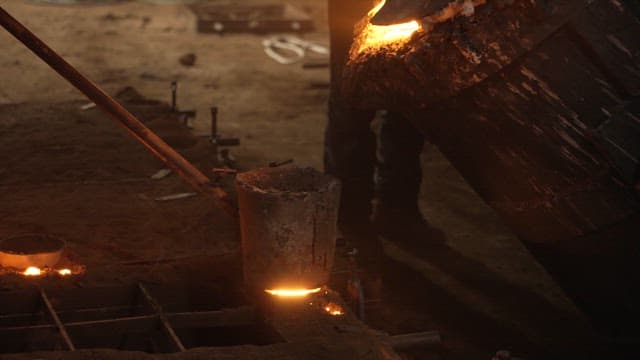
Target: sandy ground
[484,283]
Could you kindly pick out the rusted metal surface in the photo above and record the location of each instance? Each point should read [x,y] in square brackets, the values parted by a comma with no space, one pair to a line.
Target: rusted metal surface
[537,105]
[288,221]
[136,128]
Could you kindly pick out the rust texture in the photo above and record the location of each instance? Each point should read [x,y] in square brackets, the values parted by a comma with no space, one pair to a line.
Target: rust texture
[537,104]
[288,221]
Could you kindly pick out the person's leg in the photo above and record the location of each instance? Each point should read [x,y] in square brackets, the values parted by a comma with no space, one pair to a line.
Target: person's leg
[349,142]
[349,155]
[397,215]
[399,170]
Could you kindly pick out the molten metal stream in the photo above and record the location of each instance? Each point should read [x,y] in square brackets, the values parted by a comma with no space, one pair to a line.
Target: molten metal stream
[376,36]
[293,293]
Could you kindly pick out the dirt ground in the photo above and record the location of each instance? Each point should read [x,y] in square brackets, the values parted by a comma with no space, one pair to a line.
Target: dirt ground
[73,173]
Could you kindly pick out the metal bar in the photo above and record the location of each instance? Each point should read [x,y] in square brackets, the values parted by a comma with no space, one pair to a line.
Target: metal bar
[56,319]
[163,318]
[214,134]
[111,311]
[174,95]
[415,340]
[132,323]
[218,318]
[136,128]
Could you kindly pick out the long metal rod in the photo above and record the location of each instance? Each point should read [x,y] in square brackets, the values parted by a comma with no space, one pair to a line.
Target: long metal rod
[163,318]
[56,320]
[242,316]
[424,339]
[148,138]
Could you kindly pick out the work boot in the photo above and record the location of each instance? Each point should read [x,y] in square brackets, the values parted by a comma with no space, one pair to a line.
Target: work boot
[406,227]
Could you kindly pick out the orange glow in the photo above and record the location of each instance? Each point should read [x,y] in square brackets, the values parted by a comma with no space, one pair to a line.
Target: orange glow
[292,293]
[32,271]
[376,8]
[333,309]
[64,272]
[376,36]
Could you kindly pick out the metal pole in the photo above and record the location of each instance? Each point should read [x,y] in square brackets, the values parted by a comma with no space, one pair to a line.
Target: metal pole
[148,138]
[424,339]
[174,95]
[214,134]
[163,318]
[56,320]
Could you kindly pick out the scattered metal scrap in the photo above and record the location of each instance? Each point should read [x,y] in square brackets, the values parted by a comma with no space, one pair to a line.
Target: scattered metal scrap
[251,18]
[185,115]
[278,47]
[136,128]
[176,196]
[217,141]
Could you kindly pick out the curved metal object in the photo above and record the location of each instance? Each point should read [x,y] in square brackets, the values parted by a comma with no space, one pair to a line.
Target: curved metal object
[537,106]
[28,250]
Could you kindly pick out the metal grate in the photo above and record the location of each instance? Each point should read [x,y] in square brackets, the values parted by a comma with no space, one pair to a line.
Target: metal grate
[139,318]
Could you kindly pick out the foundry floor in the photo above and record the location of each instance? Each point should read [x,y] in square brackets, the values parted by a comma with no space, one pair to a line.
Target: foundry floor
[62,173]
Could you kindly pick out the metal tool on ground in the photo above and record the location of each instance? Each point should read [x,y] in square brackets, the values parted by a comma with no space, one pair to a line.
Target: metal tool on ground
[290,49]
[224,171]
[425,339]
[136,128]
[185,115]
[215,18]
[215,138]
[280,163]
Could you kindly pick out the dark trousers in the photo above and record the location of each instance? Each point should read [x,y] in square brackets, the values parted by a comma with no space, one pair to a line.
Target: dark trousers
[350,155]
[350,144]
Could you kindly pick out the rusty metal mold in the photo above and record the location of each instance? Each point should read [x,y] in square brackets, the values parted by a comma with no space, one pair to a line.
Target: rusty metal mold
[28,250]
[288,221]
[146,318]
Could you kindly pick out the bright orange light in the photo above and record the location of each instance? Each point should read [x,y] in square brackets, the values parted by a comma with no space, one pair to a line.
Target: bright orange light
[333,309]
[292,293]
[32,271]
[375,36]
[64,272]
[376,8]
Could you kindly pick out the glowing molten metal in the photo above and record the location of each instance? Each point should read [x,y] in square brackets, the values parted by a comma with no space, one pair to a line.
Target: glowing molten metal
[292,293]
[32,271]
[36,271]
[64,272]
[333,309]
[376,36]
